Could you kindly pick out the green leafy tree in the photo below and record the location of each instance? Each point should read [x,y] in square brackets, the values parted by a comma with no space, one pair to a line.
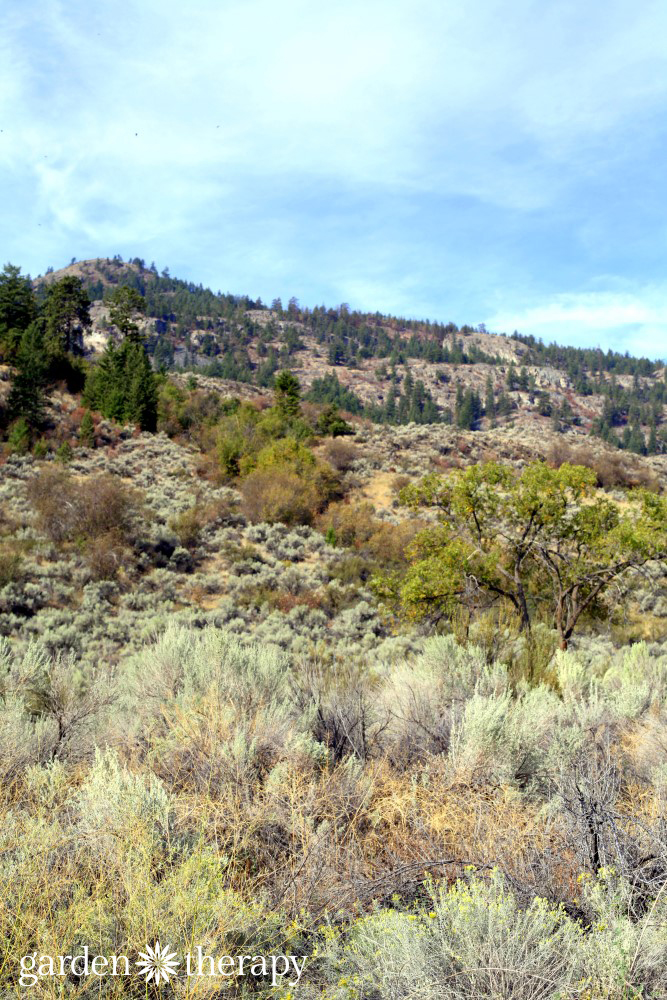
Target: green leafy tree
[66,312]
[542,537]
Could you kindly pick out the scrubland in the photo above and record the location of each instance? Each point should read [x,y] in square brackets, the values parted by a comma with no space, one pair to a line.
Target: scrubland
[422,828]
[214,734]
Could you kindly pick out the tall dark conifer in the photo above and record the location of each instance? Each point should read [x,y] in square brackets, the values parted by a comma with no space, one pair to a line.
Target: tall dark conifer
[26,397]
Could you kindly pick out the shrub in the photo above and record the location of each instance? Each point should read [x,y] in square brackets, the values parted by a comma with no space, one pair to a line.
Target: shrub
[287,453]
[19,437]
[10,566]
[70,509]
[472,942]
[105,555]
[64,453]
[340,454]
[612,469]
[287,484]
[188,526]
[352,524]
[280,495]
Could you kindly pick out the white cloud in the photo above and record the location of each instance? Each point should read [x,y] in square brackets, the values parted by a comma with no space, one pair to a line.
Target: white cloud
[427,94]
[251,138]
[634,320]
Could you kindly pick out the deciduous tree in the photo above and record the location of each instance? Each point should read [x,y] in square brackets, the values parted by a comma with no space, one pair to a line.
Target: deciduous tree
[539,537]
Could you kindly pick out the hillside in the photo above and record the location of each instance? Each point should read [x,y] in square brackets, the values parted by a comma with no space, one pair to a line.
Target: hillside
[376,686]
[386,368]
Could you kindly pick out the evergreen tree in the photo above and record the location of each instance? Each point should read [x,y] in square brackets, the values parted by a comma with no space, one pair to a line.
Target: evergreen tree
[331,423]
[635,441]
[512,381]
[26,397]
[544,407]
[504,405]
[87,430]
[288,394]
[469,410]
[103,390]
[489,401]
[459,400]
[163,355]
[390,405]
[125,303]
[329,390]
[123,387]
[141,400]
[17,308]
[652,447]
[66,312]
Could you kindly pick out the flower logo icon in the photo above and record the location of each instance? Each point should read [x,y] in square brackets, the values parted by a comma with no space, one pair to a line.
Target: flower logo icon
[158,963]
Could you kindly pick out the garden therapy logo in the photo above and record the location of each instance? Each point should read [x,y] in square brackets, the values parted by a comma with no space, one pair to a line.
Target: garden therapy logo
[157,965]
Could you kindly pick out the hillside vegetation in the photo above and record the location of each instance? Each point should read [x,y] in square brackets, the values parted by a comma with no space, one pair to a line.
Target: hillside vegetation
[312,644]
[389,369]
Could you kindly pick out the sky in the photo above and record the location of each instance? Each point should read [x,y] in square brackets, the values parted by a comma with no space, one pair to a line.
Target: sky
[480,162]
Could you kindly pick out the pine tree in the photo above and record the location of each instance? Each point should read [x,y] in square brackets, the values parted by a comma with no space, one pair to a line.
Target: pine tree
[26,398]
[512,381]
[123,387]
[66,311]
[504,405]
[141,399]
[390,405]
[489,401]
[125,303]
[288,394]
[17,308]
[636,441]
[544,407]
[469,411]
[652,447]
[87,430]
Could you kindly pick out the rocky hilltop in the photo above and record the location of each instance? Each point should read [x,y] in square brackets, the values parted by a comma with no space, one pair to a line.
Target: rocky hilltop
[387,368]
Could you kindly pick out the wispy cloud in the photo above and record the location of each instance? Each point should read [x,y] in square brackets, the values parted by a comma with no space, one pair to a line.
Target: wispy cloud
[622,320]
[437,156]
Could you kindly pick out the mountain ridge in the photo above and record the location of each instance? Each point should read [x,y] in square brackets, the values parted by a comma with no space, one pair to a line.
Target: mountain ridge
[391,369]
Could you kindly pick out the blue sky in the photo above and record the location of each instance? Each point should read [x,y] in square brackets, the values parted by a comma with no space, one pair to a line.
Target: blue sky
[478,162]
